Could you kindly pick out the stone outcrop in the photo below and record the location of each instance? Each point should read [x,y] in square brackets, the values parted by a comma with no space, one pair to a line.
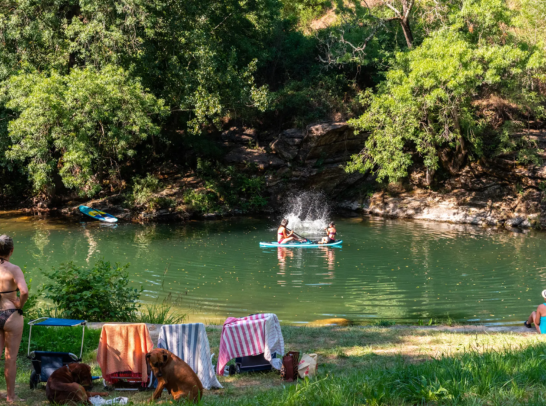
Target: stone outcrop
[490,193]
[494,193]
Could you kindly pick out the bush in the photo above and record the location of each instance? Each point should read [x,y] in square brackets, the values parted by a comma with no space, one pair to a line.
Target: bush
[226,188]
[144,188]
[101,293]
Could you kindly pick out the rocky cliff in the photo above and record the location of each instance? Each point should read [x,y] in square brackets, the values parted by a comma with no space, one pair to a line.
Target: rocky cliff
[492,193]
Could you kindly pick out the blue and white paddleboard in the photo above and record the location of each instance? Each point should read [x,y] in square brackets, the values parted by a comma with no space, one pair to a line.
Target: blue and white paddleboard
[97,214]
[300,244]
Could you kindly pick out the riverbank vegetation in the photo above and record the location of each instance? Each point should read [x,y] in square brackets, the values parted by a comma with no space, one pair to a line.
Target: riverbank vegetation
[374,366]
[101,98]
[100,292]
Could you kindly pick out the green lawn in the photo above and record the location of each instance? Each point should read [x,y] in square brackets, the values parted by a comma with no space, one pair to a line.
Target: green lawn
[373,366]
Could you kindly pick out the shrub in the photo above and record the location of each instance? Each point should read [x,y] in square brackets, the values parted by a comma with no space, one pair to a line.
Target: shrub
[101,293]
[144,188]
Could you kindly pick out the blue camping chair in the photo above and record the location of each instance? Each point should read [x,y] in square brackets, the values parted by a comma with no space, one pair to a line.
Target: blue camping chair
[44,363]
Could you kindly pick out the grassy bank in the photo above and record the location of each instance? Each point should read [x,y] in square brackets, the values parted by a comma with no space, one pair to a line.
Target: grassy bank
[375,365]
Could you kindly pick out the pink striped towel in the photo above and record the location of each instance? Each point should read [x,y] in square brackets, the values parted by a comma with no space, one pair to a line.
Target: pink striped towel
[252,335]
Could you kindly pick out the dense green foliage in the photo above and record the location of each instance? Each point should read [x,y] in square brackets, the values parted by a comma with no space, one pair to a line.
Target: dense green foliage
[96,94]
[100,293]
[225,188]
[430,100]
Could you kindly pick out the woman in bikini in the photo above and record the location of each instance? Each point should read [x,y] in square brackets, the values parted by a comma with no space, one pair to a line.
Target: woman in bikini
[282,236]
[331,230]
[11,315]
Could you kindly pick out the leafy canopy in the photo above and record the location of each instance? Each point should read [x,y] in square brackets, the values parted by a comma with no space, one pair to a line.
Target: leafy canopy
[82,124]
[427,102]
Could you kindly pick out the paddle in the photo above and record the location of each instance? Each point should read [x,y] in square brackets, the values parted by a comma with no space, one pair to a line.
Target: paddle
[297,235]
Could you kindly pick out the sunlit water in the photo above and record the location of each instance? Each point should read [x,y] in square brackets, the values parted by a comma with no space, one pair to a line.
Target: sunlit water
[386,269]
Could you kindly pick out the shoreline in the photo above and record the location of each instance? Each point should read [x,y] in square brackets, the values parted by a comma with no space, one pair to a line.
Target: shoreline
[460,329]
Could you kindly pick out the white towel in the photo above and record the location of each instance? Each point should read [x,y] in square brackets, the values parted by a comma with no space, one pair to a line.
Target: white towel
[274,340]
[190,343]
[98,401]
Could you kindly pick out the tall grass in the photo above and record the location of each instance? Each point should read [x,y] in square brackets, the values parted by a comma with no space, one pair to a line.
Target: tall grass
[159,314]
[63,339]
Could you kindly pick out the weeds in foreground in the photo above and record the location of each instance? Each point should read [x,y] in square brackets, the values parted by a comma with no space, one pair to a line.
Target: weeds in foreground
[159,314]
[508,377]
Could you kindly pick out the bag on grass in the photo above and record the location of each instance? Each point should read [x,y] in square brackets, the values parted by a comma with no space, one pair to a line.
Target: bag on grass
[308,365]
[289,370]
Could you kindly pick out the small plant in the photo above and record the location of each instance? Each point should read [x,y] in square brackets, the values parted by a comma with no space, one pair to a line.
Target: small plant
[159,314]
[161,203]
[100,293]
[144,188]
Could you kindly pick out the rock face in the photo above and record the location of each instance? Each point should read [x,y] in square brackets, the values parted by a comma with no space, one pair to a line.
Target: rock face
[490,193]
[487,193]
[298,159]
[315,158]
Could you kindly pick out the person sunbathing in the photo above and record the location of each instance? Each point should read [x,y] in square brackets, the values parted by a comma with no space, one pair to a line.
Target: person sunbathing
[538,317]
[283,236]
[11,313]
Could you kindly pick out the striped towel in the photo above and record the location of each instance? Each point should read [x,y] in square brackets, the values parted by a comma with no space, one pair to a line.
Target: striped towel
[252,335]
[190,343]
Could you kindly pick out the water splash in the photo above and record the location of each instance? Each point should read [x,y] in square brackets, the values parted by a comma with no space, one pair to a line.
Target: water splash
[308,213]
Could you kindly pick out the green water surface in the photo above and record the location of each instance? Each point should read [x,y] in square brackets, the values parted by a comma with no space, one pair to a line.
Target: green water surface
[386,270]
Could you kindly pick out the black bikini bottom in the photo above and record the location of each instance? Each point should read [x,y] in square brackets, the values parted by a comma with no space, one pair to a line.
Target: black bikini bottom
[5,315]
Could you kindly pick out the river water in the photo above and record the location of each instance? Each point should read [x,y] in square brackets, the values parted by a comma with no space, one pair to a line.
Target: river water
[396,270]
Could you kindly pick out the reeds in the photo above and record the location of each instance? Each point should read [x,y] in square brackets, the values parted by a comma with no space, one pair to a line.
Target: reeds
[159,314]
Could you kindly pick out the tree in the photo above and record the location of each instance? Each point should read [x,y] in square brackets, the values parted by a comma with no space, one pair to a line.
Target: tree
[81,125]
[360,24]
[426,107]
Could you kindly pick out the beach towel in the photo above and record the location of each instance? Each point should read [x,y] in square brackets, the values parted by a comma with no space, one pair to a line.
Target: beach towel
[252,335]
[123,348]
[190,343]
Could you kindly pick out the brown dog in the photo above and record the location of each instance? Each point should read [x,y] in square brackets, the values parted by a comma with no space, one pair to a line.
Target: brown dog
[66,386]
[173,374]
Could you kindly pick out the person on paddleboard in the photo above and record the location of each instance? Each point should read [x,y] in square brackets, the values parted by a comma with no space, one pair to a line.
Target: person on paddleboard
[283,236]
[331,230]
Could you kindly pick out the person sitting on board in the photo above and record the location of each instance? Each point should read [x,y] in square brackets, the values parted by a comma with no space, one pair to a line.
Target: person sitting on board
[283,236]
[538,317]
[331,230]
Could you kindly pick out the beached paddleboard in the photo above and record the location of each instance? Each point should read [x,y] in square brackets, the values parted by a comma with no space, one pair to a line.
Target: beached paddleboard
[299,244]
[98,215]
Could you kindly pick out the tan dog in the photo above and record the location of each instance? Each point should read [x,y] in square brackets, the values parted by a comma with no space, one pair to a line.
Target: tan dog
[173,374]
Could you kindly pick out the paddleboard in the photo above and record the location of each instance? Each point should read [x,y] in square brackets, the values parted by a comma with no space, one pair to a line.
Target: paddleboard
[300,244]
[98,215]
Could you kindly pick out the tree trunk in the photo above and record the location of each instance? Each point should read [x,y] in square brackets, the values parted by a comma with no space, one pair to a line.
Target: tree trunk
[404,22]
